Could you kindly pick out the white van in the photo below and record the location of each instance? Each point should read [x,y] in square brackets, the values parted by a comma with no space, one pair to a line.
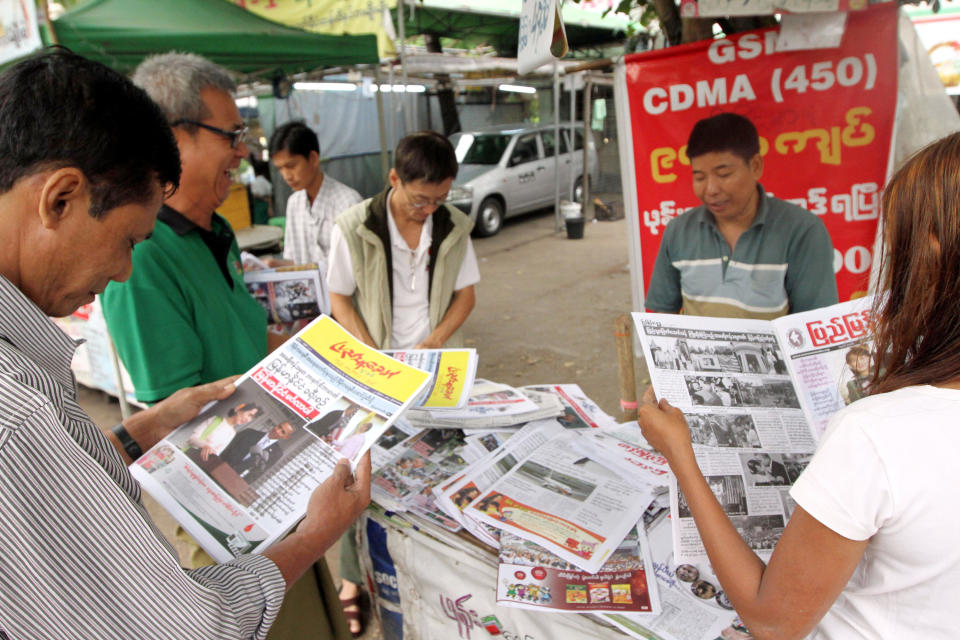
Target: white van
[511,169]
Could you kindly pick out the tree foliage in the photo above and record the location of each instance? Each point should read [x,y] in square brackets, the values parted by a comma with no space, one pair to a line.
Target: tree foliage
[677,29]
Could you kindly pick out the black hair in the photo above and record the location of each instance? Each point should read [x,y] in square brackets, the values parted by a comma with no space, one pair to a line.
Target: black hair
[724,132]
[295,138]
[427,156]
[245,406]
[58,109]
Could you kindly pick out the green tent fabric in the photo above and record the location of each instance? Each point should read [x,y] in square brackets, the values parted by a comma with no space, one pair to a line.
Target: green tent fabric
[120,33]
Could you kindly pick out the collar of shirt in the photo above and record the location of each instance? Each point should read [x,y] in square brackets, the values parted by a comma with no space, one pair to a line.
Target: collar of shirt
[399,243]
[315,206]
[706,217]
[219,239]
[30,331]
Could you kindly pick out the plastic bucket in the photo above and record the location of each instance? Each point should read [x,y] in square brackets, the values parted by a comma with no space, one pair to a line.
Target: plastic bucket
[575,227]
[570,209]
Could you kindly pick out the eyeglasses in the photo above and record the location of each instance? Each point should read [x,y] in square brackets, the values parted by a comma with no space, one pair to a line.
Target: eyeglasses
[423,203]
[236,136]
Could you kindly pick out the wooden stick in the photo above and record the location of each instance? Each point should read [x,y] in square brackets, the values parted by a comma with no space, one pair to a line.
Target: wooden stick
[625,366]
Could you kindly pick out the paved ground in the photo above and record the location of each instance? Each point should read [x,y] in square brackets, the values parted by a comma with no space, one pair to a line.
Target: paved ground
[546,305]
[544,314]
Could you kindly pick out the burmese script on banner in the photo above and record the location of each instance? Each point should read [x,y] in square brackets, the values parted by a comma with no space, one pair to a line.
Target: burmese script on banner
[825,119]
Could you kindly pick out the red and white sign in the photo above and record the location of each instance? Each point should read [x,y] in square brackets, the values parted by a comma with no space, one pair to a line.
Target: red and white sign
[825,119]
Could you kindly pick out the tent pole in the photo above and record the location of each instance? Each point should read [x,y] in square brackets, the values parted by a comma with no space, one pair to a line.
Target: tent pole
[556,138]
[573,136]
[384,158]
[403,68]
[585,202]
[47,21]
[394,134]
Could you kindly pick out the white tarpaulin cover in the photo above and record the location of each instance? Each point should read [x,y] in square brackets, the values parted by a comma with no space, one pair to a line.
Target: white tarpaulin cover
[427,589]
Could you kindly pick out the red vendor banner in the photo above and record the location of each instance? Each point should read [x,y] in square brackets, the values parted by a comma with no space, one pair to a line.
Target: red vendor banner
[825,119]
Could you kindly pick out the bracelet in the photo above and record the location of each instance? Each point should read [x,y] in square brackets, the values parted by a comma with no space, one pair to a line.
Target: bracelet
[129,444]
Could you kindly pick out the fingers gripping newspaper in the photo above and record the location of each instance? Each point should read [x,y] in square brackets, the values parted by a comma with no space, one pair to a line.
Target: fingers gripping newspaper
[757,396]
[239,475]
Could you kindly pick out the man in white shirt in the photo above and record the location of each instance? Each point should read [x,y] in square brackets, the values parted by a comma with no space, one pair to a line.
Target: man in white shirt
[401,274]
[317,197]
[402,268]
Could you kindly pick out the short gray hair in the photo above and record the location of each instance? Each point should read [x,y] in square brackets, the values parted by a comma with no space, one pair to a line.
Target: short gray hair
[174,81]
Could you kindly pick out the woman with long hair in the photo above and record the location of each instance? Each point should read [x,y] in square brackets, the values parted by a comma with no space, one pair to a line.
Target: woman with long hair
[871,550]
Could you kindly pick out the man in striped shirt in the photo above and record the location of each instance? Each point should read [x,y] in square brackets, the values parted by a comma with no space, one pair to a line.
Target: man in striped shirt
[742,253]
[85,160]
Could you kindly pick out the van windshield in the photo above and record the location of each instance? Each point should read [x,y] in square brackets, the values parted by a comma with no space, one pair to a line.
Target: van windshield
[485,148]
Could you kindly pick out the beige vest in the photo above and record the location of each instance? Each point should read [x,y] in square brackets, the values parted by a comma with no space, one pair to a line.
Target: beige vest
[370,269]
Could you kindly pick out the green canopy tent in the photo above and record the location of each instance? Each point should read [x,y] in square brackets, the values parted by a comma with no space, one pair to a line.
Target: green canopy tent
[120,33]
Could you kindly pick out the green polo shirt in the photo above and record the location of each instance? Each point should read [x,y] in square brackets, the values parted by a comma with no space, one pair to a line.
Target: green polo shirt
[782,264]
[185,316]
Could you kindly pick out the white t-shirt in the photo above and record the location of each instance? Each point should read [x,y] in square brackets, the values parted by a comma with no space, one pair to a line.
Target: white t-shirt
[884,471]
[411,279]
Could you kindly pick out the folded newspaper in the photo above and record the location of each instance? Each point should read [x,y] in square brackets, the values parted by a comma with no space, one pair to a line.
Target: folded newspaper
[453,496]
[492,405]
[579,411]
[568,498]
[239,475]
[289,294]
[452,374]
[757,395]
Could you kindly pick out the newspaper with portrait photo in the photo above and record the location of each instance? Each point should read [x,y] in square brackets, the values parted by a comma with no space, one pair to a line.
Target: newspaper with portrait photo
[757,396]
[239,475]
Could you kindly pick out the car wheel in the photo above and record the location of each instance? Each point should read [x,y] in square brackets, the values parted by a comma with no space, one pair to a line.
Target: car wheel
[489,217]
[578,190]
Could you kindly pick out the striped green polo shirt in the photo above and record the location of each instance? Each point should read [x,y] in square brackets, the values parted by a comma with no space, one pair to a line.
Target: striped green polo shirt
[782,264]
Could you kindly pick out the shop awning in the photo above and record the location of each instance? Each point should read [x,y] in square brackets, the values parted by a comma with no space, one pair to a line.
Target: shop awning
[120,33]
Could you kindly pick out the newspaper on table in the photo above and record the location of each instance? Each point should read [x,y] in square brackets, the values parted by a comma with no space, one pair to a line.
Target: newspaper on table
[239,475]
[579,411]
[570,500]
[479,443]
[452,375]
[531,577]
[757,395]
[492,405]
[422,462]
[693,606]
[289,294]
[453,496]
[391,444]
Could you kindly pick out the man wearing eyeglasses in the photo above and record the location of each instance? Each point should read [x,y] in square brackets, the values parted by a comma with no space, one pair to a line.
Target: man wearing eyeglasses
[402,268]
[185,316]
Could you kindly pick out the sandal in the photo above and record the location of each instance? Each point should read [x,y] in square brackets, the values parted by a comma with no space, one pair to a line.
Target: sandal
[356,601]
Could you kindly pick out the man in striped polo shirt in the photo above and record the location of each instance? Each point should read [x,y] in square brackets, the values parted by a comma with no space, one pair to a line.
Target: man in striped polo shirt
[85,161]
[742,253]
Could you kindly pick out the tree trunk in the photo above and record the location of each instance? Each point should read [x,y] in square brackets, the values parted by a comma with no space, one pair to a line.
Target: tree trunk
[445,95]
[745,23]
[669,15]
[696,29]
